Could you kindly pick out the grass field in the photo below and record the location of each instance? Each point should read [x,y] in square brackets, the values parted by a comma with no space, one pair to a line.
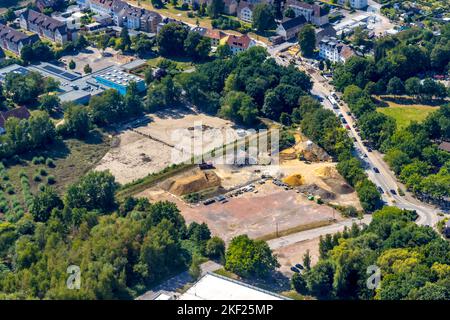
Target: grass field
[72,159]
[405,114]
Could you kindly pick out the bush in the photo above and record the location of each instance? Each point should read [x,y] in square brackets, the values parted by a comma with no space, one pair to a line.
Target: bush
[299,283]
[42,171]
[38,160]
[41,187]
[10,190]
[5,177]
[51,180]
[23,174]
[50,163]
[37,177]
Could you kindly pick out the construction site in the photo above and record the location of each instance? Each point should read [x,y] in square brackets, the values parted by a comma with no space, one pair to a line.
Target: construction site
[263,201]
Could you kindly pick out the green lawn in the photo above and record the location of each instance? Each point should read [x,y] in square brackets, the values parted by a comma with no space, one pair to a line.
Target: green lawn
[405,114]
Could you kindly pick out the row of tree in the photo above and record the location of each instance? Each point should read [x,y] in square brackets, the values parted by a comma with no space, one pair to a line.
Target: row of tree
[397,62]
[390,259]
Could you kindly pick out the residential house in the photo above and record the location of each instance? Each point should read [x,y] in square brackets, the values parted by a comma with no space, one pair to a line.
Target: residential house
[355,4]
[312,12]
[20,113]
[245,11]
[215,36]
[230,7]
[331,49]
[48,4]
[238,43]
[326,31]
[45,26]
[289,28]
[13,40]
[444,146]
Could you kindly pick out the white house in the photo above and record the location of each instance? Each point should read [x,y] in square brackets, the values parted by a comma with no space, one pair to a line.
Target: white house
[331,49]
[245,11]
[355,4]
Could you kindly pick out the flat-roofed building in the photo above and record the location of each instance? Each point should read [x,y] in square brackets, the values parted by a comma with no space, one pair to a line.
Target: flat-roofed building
[215,287]
[119,80]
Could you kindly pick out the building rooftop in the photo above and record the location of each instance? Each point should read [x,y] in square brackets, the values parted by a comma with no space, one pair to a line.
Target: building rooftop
[445,146]
[288,23]
[215,287]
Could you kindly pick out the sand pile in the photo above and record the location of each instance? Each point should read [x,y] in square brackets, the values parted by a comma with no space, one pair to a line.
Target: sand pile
[326,172]
[195,183]
[294,180]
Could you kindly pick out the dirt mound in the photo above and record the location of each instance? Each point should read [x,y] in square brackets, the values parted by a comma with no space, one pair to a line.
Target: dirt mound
[317,191]
[339,186]
[326,172]
[195,183]
[294,180]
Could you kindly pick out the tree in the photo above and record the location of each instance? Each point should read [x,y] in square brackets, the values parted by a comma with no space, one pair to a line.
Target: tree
[49,103]
[307,260]
[215,248]
[298,283]
[197,46]
[93,191]
[247,257]
[262,17]
[72,65]
[81,42]
[413,86]
[125,41]
[157,3]
[395,86]
[307,40]
[289,13]
[43,204]
[215,8]
[239,106]
[320,280]
[368,195]
[87,69]
[76,121]
[171,39]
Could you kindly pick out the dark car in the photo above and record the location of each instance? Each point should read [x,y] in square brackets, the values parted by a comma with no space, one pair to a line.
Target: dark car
[393,191]
[380,189]
[369,149]
[375,169]
[299,266]
[295,270]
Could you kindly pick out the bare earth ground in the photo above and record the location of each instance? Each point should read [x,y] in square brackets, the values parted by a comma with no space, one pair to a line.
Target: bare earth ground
[253,214]
[293,254]
[151,148]
[93,57]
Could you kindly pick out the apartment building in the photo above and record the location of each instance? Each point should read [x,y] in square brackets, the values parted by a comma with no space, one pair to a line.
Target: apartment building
[239,43]
[45,26]
[13,40]
[312,12]
[245,11]
[355,4]
[331,49]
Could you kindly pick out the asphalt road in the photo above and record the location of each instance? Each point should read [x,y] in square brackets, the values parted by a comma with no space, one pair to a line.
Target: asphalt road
[385,178]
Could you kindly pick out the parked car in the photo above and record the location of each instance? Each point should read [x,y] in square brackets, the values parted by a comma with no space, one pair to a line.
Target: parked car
[299,266]
[295,270]
[380,189]
[375,169]
[393,191]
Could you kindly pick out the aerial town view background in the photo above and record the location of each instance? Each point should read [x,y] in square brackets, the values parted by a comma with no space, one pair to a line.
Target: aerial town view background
[315,138]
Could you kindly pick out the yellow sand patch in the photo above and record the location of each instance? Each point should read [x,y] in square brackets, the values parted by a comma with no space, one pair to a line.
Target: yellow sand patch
[294,180]
[326,172]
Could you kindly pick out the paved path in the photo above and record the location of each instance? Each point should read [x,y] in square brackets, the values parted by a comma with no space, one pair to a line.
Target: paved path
[315,233]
